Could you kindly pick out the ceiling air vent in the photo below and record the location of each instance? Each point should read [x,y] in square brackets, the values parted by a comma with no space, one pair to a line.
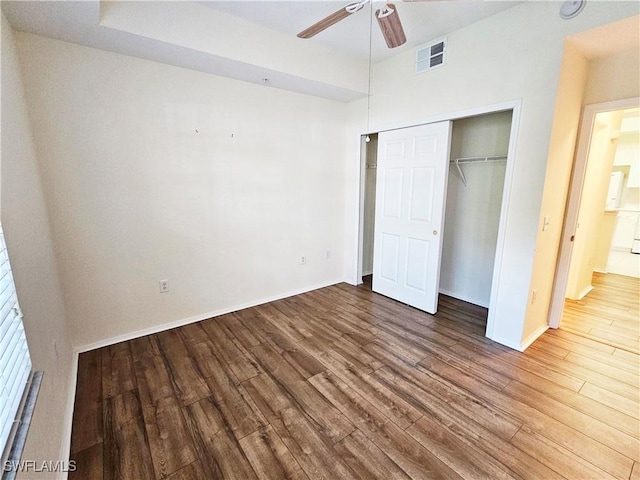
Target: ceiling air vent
[431,56]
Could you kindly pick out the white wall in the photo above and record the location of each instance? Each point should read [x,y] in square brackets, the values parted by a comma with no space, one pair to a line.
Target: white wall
[136,195]
[27,230]
[627,161]
[514,55]
[189,25]
[473,210]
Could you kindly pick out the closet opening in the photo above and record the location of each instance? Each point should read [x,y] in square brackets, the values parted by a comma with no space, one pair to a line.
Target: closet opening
[369,206]
[478,161]
[479,146]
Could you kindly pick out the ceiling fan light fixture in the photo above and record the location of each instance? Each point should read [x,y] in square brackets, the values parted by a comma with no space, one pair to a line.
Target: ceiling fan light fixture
[390,25]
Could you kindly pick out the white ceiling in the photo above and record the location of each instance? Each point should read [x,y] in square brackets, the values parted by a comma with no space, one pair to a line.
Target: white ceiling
[346,43]
[216,36]
[422,21]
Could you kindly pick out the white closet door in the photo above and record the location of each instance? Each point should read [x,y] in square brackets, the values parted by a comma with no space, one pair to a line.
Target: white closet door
[410,199]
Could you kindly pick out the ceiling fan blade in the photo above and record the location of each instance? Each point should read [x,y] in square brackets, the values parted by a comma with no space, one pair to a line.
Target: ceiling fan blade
[390,25]
[325,23]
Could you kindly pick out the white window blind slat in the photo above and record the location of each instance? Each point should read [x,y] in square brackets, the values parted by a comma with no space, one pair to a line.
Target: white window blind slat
[6,288]
[5,327]
[13,401]
[19,361]
[8,346]
[15,363]
[5,425]
[5,281]
[18,375]
[13,382]
[12,365]
[6,310]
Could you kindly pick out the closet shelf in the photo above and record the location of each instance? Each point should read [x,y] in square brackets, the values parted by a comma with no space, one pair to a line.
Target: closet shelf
[458,161]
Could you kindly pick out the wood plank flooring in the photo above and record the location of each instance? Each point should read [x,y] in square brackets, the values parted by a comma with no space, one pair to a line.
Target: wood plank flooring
[610,313]
[342,383]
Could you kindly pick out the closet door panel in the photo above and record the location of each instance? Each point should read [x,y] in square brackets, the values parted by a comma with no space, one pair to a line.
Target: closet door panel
[410,200]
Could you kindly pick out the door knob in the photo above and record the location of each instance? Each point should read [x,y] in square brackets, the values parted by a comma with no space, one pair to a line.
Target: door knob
[435,232]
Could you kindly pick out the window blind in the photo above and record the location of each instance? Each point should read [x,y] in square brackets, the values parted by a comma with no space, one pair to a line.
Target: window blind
[15,363]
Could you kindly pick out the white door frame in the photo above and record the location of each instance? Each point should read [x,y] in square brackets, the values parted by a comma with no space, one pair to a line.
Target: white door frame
[513,105]
[574,196]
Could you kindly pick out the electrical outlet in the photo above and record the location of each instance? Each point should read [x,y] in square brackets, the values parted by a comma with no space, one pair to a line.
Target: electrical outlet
[327,254]
[303,260]
[164,286]
[534,295]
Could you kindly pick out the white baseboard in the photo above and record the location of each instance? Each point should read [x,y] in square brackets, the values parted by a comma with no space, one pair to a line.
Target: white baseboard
[521,346]
[507,343]
[464,298]
[533,337]
[585,292]
[65,451]
[624,248]
[185,321]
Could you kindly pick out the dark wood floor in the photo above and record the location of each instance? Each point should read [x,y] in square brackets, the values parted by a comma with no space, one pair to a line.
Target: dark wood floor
[342,383]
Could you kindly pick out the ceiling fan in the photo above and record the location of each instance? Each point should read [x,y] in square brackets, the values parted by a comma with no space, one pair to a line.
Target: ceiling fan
[387,17]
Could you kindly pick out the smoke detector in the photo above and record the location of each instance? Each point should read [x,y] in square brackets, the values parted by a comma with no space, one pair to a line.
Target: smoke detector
[571,8]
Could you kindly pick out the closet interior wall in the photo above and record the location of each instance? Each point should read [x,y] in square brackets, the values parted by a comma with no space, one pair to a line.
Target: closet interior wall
[473,210]
[369,204]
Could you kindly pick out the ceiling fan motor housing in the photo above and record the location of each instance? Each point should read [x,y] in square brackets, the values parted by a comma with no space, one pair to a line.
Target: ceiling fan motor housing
[389,22]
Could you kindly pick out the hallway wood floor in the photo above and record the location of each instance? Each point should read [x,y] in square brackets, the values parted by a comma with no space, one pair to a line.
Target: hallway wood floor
[343,383]
[610,313]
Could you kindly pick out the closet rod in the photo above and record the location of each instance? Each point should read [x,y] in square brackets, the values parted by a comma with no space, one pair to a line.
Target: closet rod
[458,161]
[478,159]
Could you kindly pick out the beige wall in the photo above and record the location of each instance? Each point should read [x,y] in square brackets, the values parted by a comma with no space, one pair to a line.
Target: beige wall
[602,151]
[514,55]
[156,172]
[564,131]
[608,78]
[605,235]
[27,231]
[613,77]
